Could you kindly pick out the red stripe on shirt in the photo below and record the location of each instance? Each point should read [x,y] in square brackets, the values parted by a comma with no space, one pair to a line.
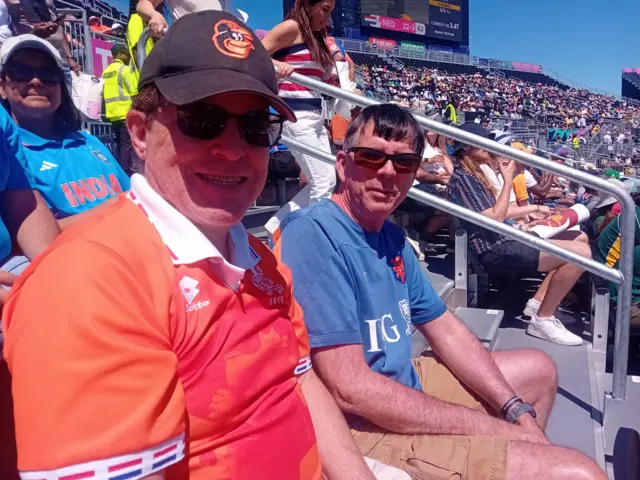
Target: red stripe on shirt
[165,450]
[293,87]
[310,72]
[120,466]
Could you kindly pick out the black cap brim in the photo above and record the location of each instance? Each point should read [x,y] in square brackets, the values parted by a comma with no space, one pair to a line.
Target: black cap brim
[197,85]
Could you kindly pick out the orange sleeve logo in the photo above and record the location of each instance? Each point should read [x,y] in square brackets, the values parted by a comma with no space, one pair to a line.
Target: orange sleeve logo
[232,40]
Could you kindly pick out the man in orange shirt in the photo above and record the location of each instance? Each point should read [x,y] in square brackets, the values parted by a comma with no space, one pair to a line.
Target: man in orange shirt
[157,339]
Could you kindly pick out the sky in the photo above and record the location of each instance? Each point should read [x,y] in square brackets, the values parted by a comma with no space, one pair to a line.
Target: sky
[587,41]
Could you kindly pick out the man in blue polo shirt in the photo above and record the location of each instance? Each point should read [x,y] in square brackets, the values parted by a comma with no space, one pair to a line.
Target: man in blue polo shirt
[456,413]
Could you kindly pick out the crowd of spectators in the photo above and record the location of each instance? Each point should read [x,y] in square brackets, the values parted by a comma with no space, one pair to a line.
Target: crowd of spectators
[495,94]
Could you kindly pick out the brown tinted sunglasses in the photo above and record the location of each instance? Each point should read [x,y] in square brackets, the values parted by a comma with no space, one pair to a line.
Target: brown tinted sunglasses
[376,159]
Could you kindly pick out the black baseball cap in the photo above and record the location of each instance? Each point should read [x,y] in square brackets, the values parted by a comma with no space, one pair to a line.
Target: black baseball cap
[211,52]
[476,129]
[119,48]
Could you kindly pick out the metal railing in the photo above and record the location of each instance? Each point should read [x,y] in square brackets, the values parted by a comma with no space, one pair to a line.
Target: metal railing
[621,277]
[627,223]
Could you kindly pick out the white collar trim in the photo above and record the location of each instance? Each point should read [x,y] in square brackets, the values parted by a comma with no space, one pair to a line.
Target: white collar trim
[186,243]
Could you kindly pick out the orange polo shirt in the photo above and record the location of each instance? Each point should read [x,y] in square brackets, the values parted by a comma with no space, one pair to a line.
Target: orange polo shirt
[135,346]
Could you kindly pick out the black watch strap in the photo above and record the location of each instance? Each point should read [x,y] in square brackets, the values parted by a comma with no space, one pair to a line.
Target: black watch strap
[517,410]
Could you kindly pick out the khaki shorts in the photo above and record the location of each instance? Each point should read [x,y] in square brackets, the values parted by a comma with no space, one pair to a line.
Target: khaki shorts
[432,457]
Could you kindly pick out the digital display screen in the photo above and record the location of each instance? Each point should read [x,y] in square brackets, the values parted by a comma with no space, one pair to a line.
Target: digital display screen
[431,18]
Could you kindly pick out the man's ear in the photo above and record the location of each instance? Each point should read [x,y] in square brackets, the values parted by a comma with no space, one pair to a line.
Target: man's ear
[137,125]
[3,90]
[341,160]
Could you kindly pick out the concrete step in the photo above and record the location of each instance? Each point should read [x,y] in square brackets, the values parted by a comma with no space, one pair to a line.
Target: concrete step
[441,284]
[483,323]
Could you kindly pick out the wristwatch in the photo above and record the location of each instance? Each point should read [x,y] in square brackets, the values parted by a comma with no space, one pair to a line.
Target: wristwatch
[517,410]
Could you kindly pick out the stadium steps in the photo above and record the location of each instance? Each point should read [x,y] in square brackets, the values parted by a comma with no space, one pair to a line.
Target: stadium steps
[483,323]
[576,410]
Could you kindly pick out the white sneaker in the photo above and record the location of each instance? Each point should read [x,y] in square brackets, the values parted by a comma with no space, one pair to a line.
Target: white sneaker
[552,330]
[531,309]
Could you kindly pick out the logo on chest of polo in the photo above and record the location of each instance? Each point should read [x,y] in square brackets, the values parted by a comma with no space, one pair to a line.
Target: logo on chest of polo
[386,325]
[90,189]
[266,285]
[189,289]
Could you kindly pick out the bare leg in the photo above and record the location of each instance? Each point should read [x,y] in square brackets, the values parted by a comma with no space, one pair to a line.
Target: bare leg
[533,376]
[564,277]
[542,289]
[535,461]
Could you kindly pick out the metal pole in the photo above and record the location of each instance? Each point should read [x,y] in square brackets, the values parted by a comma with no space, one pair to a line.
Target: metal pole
[88,52]
[627,223]
[483,221]
[142,50]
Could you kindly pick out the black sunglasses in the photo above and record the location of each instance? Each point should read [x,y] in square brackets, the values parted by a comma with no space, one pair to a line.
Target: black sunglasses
[376,159]
[206,122]
[23,73]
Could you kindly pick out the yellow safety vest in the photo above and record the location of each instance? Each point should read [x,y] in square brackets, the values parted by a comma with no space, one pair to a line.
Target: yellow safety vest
[134,29]
[453,115]
[120,85]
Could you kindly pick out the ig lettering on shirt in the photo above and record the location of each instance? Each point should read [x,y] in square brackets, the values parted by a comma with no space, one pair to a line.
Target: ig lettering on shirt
[90,189]
[386,325]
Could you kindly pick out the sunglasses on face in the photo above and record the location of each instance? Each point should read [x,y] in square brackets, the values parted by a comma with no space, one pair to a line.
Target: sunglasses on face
[23,73]
[204,121]
[376,159]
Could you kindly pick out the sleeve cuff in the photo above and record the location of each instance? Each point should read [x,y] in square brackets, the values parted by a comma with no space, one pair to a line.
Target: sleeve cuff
[333,339]
[130,466]
[426,317]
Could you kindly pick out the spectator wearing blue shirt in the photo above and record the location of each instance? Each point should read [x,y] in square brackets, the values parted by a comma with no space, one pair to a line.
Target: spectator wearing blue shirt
[362,292]
[73,170]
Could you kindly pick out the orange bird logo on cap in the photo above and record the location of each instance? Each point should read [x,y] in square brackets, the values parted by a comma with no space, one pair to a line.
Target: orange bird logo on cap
[232,40]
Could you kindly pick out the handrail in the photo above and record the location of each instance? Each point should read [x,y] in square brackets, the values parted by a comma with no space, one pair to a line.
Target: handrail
[479,219]
[627,223]
[142,50]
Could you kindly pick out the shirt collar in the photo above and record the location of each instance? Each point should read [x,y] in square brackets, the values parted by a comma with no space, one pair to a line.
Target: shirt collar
[30,139]
[186,243]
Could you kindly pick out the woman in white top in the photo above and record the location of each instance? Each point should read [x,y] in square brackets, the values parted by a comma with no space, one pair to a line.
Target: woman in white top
[299,45]
[179,8]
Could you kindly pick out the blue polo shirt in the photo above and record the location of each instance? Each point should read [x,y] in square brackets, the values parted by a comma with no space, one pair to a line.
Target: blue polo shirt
[74,175]
[12,175]
[358,287]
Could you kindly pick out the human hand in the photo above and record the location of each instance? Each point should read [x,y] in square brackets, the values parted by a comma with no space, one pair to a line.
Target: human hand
[507,169]
[44,29]
[283,70]
[439,158]
[74,65]
[6,279]
[157,24]
[534,431]
[546,211]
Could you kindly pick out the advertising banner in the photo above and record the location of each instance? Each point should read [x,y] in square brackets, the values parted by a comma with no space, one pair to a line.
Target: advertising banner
[101,55]
[445,20]
[527,67]
[382,43]
[395,24]
[412,48]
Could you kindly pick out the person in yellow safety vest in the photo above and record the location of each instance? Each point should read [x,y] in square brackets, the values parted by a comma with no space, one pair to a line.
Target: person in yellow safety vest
[120,86]
[135,28]
[576,142]
[450,113]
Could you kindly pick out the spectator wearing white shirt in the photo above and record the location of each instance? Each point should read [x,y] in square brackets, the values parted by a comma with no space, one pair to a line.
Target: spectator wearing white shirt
[5,21]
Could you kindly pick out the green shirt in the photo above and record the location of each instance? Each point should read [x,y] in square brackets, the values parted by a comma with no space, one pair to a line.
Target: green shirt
[608,253]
